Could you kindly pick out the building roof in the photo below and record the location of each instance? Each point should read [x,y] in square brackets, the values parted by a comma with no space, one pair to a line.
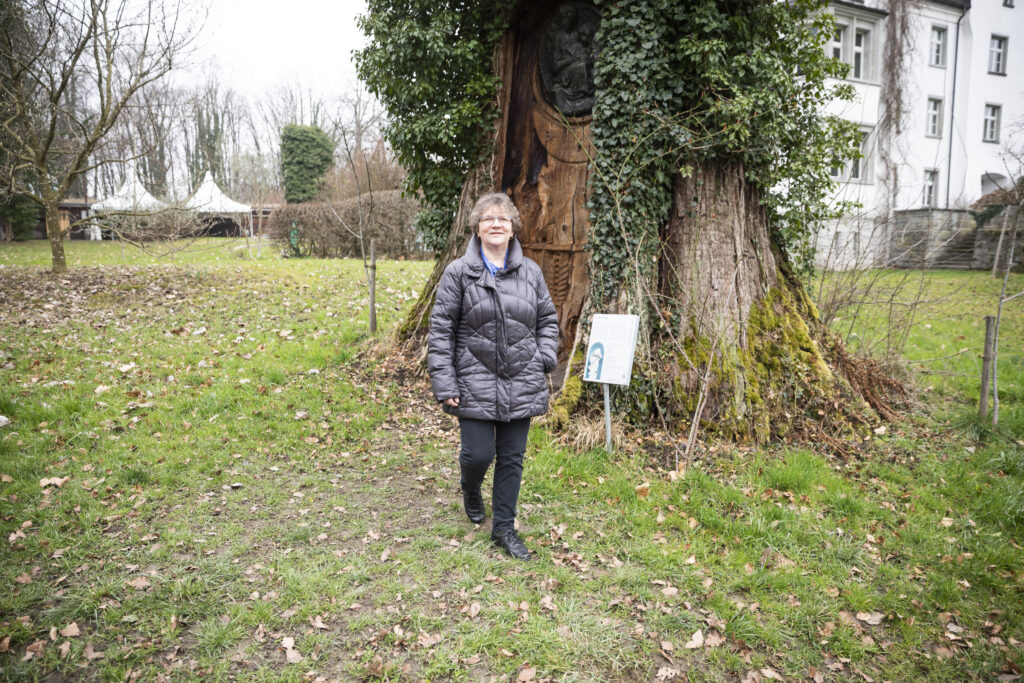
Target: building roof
[131,197]
[208,198]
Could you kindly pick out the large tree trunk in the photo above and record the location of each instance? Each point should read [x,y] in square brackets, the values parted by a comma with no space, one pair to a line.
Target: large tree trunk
[744,357]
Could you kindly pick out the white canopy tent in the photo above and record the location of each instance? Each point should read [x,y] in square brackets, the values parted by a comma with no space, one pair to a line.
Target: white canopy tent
[210,199]
[130,198]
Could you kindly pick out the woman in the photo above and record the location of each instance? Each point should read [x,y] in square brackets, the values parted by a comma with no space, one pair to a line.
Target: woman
[493,337]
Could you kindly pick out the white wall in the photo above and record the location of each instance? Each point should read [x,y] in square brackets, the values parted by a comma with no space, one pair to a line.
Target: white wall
[959,155]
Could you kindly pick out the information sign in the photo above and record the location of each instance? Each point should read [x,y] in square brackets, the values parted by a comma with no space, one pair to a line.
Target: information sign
[609,358]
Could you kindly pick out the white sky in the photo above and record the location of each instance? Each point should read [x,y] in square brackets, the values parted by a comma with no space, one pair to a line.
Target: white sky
[255,46]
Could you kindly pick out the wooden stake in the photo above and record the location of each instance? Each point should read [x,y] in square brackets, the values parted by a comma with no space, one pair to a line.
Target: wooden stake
[373,288]
[986,366]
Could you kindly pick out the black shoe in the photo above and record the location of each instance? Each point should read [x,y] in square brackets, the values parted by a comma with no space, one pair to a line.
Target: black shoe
[510,542]
[474,504]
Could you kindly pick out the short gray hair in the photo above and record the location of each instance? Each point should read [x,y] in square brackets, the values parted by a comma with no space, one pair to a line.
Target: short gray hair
[494,199]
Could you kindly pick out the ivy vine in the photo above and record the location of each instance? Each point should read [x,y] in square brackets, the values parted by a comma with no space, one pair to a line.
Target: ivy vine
[682,83]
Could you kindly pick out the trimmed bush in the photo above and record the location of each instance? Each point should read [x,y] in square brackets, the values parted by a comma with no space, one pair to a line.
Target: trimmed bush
[387,219]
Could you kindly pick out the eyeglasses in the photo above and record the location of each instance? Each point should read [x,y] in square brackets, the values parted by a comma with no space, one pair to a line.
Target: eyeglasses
[504,220]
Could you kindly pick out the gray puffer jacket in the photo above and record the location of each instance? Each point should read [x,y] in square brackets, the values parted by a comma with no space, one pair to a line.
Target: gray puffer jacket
[493,338]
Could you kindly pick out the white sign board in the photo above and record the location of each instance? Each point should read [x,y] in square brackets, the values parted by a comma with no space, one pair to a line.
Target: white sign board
[609,358]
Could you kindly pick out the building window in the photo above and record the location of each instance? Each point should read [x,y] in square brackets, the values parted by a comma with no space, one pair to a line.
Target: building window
[854,43]
[933,122]
[860,57]
[838,39]
[1007,3]
[990,131]
[931,184]
[937,51]
[997,55]
[857,170]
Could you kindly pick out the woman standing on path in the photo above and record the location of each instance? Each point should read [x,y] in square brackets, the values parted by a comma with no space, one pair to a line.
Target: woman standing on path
[493,337]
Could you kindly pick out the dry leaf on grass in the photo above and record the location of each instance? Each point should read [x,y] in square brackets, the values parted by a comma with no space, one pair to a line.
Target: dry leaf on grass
[139,583]
[71,630]
[696,640]
[428,640]
[667,674]
[290,653]
[527,674]
[873,618]
[92,654]
[34,650]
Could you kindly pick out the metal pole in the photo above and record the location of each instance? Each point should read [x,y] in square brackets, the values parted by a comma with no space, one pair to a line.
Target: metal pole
[607,419]
[373,288]
[986,365]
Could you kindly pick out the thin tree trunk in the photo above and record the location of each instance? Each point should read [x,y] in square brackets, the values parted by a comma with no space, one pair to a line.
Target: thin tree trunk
[999,244]
[999,317]
[55,235]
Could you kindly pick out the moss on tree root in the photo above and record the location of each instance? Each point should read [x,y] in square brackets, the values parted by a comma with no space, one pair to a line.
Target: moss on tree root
[778,386]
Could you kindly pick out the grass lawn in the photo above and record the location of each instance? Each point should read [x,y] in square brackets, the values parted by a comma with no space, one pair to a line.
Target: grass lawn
[213,471]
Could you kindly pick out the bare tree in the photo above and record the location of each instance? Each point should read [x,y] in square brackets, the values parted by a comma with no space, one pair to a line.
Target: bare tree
[68,71]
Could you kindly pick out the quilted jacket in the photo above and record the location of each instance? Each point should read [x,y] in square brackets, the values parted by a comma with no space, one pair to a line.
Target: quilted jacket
[492,339]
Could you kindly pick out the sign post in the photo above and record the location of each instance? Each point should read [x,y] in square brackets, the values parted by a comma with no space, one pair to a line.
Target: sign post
[609,358]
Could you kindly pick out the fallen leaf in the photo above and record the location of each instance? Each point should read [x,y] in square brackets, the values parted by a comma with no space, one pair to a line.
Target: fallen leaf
[643,490]
[696,640]
[547,603]
[71,630]
[290,653]
[92,654]
[23,578]
[667,674]
[34,650]
[713,639]
[873,618]
[139,583]
[772,674]
[318,622]
[428,640]
[5,644]
[527,674]
[474,610]
[65,648]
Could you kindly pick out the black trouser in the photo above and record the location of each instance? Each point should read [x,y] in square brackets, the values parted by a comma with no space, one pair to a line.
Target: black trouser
[482,442]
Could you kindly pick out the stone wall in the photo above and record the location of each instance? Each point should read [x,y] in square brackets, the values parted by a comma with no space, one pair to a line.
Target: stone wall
[941,238]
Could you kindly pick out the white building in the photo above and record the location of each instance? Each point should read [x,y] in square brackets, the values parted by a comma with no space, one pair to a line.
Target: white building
[938,83]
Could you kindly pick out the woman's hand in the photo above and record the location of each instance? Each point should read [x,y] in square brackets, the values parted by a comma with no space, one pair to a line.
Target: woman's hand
[453,402]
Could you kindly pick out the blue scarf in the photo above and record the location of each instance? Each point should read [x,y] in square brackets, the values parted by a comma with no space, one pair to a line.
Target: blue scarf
[493,269]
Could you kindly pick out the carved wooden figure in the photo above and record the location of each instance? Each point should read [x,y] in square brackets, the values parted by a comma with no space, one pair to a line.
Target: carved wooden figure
[544,145]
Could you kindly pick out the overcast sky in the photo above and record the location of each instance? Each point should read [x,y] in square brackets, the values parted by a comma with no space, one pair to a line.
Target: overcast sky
[256,45]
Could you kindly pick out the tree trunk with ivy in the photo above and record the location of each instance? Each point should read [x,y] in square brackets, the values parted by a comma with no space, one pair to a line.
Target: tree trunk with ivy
[694,116]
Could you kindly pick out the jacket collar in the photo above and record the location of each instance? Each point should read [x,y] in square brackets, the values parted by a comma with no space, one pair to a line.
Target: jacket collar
[476,261]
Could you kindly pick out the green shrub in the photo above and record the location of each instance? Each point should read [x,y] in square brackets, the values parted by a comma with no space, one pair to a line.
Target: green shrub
[306,154]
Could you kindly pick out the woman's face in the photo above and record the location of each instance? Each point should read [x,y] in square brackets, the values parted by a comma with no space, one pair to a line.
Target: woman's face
[495,227]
